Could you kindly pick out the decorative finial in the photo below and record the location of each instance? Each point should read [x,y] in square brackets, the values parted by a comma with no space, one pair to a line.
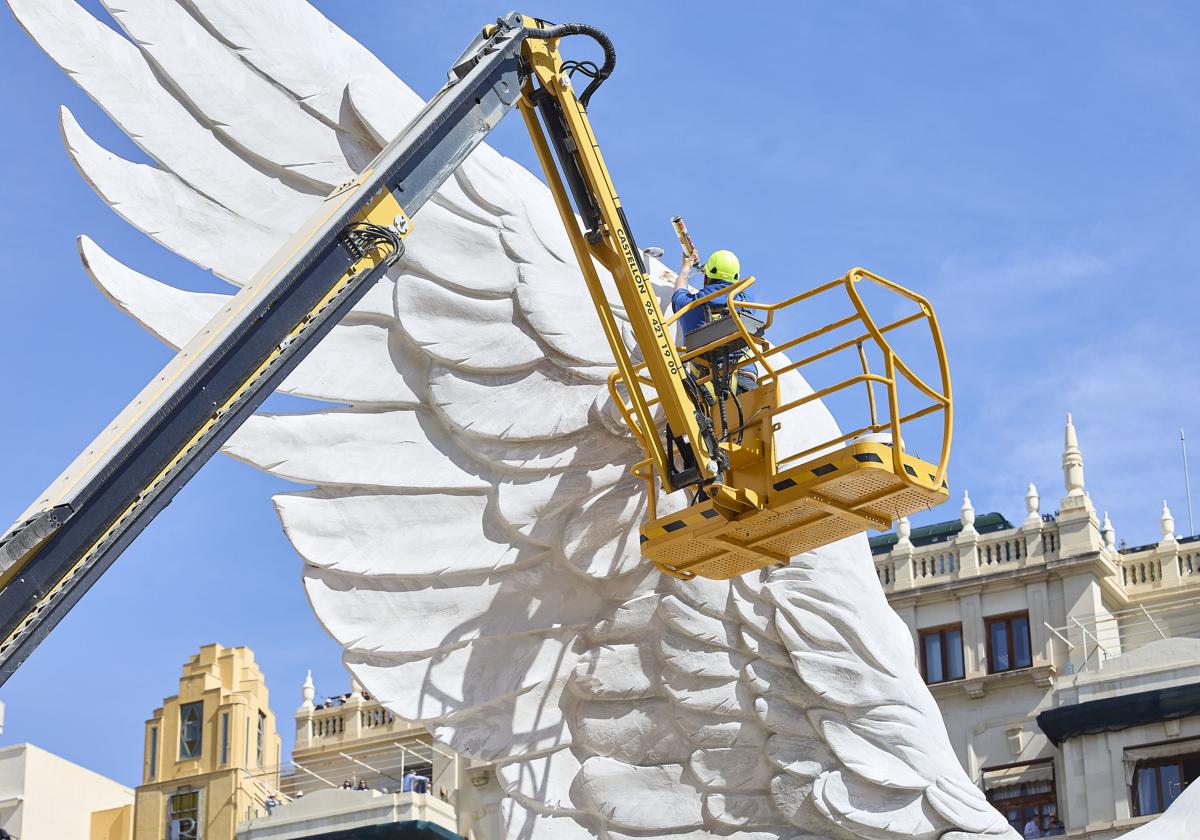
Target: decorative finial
[307,692]
[1032,503]
[1106,531]
[967,513]
[903,529]
[1167,523]
[356,688]
[1072,462]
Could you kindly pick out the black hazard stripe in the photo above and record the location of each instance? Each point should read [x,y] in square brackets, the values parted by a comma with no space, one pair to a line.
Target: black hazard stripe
[678,524]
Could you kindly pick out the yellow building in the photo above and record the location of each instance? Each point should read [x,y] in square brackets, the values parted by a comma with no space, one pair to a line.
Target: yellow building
[211,752]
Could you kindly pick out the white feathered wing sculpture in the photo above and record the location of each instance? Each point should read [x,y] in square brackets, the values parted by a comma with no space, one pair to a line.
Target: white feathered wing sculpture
[472,538]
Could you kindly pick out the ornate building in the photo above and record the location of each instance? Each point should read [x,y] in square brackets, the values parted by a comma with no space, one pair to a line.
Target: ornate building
[397,775]
[211,754]
[1067,669]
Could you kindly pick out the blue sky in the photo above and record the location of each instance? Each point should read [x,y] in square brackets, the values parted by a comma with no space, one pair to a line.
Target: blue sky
[1032,168]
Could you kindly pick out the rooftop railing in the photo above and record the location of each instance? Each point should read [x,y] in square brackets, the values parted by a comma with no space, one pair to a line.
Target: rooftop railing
[347,719]
[1169,564]
[379,765]
[1096,640]
[968,554]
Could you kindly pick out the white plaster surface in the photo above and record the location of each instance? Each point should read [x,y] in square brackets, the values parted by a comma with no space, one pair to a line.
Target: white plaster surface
[472,538]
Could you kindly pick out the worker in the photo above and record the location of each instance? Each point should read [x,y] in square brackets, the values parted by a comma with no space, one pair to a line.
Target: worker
[721,270]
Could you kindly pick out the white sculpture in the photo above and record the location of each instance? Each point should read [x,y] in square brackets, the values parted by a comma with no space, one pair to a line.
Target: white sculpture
[472,538]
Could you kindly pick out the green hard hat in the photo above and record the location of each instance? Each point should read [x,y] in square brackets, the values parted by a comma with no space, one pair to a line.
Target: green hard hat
[723,265]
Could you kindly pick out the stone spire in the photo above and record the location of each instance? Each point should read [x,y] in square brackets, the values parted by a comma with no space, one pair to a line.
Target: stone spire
[1167,523]
[967,513]
[1032,504]
[1078,524]
[1072,462]
[1110,536]
[307,692]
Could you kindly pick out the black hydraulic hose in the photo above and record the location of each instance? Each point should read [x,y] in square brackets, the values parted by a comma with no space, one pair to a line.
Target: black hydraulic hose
[741,430]
[610,53]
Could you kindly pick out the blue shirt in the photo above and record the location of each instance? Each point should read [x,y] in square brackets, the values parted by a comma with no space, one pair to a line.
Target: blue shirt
[695,317]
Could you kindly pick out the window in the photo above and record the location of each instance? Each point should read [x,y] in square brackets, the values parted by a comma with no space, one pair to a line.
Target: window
[1021,803]
[224,738]
[183,816]
[1157,782]
[942,654]
[152,755]
[262,737]
[191,727]
[1008,643]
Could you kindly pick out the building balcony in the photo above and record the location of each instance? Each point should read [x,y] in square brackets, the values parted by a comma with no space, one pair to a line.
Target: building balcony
[326,811]
[1098,642]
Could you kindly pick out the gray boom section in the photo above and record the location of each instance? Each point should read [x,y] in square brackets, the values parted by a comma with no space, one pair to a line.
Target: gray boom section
[75,530]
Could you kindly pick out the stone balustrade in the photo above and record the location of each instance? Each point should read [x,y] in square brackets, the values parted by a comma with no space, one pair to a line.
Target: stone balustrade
[1143,569]
[968,555]
[1168,564]
[349,720]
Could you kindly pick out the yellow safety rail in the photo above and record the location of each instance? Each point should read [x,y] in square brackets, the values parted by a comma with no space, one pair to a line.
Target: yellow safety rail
[858,484]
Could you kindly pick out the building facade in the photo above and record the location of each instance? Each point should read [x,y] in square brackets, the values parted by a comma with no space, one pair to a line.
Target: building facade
[1067,668]
[43,795]
[355,762]
[211,755]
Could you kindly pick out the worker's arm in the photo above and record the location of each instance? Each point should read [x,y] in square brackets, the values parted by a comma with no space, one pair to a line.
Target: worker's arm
[681,279]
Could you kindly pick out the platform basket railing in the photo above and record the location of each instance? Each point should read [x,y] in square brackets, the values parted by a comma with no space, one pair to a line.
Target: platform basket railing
[771,365]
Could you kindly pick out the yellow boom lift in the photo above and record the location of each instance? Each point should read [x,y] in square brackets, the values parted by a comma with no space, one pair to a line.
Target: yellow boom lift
[749,503]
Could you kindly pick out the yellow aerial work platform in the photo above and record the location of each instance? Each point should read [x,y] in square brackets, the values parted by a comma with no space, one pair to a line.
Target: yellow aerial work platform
[753,500]
[768,505]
